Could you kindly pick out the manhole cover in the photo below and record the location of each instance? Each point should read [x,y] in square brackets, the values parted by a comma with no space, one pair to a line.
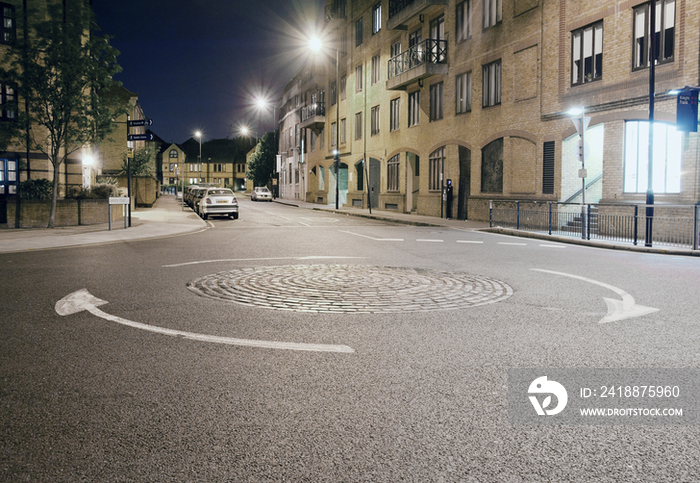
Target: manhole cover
[350,289]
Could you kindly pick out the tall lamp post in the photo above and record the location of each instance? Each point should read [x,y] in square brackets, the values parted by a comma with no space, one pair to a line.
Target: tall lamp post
[263,104]
[198,135]
[316,46]
[650,168]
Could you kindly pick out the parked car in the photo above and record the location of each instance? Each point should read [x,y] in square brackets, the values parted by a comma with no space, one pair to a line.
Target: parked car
[189,192]
[195,197]
[217,201]
[261,193]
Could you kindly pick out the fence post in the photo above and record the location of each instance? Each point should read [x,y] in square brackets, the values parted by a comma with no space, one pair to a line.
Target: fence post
[588,222]
[490,214]
[517,223]
[696,228]
[636,223]
[550,217]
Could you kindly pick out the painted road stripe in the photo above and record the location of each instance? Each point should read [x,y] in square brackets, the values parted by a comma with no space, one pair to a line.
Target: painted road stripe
[429,240]
[553,246]
[372,238]
[468,241]
[513,244]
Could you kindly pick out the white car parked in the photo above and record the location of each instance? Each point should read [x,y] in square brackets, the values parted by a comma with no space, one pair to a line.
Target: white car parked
[261,193]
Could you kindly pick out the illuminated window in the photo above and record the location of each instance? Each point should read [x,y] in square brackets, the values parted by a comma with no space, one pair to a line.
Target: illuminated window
[666,161]
[7,23]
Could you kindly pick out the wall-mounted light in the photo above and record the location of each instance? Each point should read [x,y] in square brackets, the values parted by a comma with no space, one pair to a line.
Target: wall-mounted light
[420,83]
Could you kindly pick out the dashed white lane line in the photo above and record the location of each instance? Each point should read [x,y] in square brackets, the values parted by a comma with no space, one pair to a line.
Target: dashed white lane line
[470,241]
[513,244]
[429,240]
[553,246]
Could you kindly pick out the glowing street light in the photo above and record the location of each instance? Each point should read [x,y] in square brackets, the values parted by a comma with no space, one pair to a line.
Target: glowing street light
[198,135]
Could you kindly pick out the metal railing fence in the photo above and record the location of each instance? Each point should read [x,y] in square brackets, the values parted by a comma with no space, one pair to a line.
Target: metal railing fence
[673,225]
[429,51]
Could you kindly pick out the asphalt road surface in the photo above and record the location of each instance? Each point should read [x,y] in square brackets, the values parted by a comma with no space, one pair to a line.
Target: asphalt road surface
[294,345]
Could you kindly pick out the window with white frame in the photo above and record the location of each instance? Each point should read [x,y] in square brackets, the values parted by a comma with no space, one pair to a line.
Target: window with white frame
[664,33]
[493,12]
[436,162]
[413,108]
[358,125]
[376,18]
[587,54]
[375,121]
[463,93]
[666,161]
[463,20]
[395,114]
[491,88]
[436,91]
[392,173]
[376,69]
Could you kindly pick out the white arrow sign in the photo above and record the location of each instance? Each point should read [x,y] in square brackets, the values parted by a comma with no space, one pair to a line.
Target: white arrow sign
[84,300]
[617,309]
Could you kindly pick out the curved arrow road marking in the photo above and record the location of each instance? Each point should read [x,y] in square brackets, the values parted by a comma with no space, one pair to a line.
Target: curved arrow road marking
[84,300]
[617,309]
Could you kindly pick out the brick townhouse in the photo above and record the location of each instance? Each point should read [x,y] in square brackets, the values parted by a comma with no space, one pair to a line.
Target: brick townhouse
[478,93]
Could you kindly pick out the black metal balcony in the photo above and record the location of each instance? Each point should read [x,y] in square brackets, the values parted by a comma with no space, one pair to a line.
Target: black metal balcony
[420,61]
[313,116]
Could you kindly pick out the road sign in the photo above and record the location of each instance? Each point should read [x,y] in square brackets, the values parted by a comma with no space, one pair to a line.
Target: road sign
[577,123]
[141,137]
[687,110]
[140,122]
[118,200]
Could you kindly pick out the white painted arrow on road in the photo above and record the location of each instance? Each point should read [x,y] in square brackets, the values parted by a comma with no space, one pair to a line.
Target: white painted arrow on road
[617,309]
[84,300]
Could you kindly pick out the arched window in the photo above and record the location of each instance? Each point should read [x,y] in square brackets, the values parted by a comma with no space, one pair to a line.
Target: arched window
[173,153]
[492,167]
[436,164]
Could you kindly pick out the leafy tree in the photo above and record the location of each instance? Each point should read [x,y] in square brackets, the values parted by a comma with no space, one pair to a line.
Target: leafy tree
[262,162]
[142,164]
[65,74]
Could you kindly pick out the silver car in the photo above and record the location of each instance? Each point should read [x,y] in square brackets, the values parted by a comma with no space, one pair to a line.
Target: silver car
[261,193]
[217,201]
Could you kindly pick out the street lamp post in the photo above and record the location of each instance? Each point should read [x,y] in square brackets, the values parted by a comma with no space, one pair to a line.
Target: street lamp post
[316,45]
[581,121]
[198,134]
[650,168]
[262,103]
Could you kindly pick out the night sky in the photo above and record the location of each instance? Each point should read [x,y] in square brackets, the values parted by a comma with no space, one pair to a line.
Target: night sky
[199,64]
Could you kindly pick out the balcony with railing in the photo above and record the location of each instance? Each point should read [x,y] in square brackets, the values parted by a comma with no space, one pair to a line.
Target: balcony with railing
[313,116]
[402,11]
[423,60]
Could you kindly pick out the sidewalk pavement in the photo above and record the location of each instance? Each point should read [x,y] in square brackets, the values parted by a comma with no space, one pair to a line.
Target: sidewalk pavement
[166,218]
[169,218]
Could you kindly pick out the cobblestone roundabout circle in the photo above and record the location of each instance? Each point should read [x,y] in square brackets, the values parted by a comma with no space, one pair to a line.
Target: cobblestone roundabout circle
[350,289]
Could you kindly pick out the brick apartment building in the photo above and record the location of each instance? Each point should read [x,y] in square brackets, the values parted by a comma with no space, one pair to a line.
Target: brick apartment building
[478,92]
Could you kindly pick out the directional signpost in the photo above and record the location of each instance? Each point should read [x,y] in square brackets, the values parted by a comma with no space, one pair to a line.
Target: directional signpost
[135,137]
[141,137]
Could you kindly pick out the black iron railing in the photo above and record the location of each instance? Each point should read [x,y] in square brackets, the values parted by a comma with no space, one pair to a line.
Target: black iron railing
[430,51]
[674,225]
[313,110]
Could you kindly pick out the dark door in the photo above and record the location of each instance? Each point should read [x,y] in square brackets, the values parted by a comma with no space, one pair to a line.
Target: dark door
[465,166]
[375,173]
